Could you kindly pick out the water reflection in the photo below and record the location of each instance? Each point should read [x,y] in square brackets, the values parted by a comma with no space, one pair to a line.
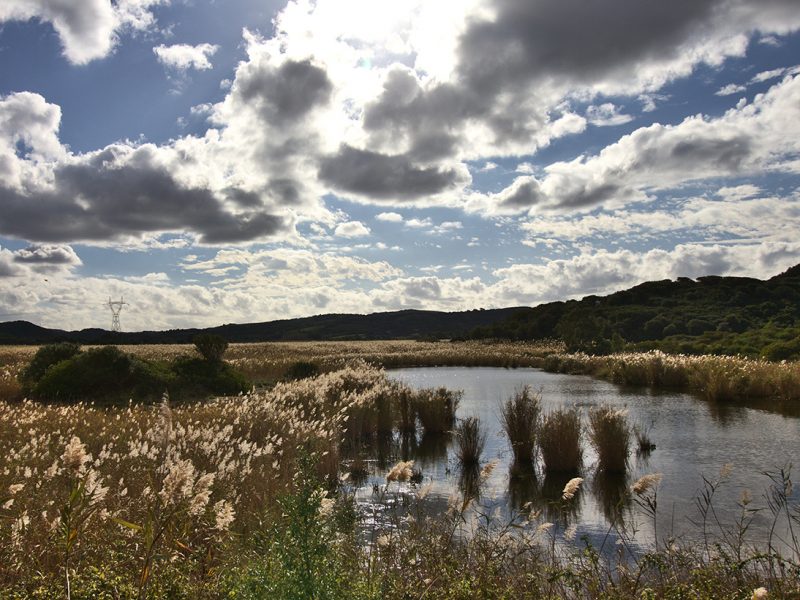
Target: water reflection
[612,495]
[523,486]
[432,448]
[694,438]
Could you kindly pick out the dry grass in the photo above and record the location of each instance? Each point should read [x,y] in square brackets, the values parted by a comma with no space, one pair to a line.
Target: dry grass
[470,441]
[609,434]
[560,441]
[519,416]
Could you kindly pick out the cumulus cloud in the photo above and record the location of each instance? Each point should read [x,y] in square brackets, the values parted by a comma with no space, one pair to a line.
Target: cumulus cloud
[390,217]
[750,138]
[351,229]
[604,272]
[88,29]
[183,57]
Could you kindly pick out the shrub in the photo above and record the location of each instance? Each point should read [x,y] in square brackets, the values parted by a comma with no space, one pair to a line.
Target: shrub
[560,441]
[211,346]
[520,418]
[46,357]
[609,434]
[470,441]
[106,373]
[196,377]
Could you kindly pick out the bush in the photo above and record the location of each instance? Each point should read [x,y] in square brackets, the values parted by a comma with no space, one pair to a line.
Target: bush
[211,347]
[777,351]
[46,357]
[106,373]
[196,377]
[560,441]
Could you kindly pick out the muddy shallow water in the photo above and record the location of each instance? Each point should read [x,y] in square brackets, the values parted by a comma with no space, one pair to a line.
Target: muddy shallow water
[694,439]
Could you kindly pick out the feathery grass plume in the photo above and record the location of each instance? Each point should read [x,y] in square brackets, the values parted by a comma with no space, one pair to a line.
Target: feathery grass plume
[760,593]
[436,409]
[470,441]
[402,471]
[572,487]
[645,483]
[560,441]
[609,434]
[519,416]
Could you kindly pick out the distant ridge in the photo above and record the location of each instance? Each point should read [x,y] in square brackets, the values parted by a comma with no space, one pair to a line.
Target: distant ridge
[712,314]
[404,324]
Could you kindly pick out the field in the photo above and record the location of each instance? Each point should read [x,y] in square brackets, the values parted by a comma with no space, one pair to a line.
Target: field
[247,497]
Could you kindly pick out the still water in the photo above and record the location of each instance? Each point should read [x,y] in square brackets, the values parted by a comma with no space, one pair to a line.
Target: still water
[694,440]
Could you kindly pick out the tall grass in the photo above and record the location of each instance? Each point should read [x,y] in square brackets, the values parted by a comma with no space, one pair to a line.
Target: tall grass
[436,409]
[470,441]
[609,433]
[560,441]
[519,416]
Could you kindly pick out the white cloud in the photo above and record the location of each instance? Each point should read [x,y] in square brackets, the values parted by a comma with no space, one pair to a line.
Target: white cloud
[751,138]
[88,29]
[606,115]
[183,57]
[730,89]
[352,229]
[603,272]
[390,217]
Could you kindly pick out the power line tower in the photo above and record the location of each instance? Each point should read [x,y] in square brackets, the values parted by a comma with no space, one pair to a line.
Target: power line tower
[116,308]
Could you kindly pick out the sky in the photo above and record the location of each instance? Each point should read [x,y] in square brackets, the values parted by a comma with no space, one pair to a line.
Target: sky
[239,161]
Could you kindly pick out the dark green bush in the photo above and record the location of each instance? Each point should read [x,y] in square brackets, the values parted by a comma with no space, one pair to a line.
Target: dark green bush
[46,357]
[195,377]
[782,350]
[103,373]
[210,346]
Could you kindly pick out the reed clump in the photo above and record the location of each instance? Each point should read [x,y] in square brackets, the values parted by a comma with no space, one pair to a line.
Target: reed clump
[436,409]
[519,416]
[560,441]
[470,441]
[609,434]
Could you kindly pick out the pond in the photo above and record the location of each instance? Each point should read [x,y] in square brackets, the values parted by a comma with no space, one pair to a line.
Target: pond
[694,440]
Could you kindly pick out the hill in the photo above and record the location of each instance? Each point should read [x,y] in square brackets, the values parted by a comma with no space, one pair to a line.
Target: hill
[720,315]
[405,324]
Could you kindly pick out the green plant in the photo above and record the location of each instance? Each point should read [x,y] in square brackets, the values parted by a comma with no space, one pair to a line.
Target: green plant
[103,373]
[609,434]
[46,357]
[519,416]
[560,440]
[210,346]
[195,377]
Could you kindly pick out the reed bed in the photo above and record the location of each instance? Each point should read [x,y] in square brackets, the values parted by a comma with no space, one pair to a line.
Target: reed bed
[560,441]
[470,441]
[436,409]
[139,491]
[715,378]
[609,433]
[519,416]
